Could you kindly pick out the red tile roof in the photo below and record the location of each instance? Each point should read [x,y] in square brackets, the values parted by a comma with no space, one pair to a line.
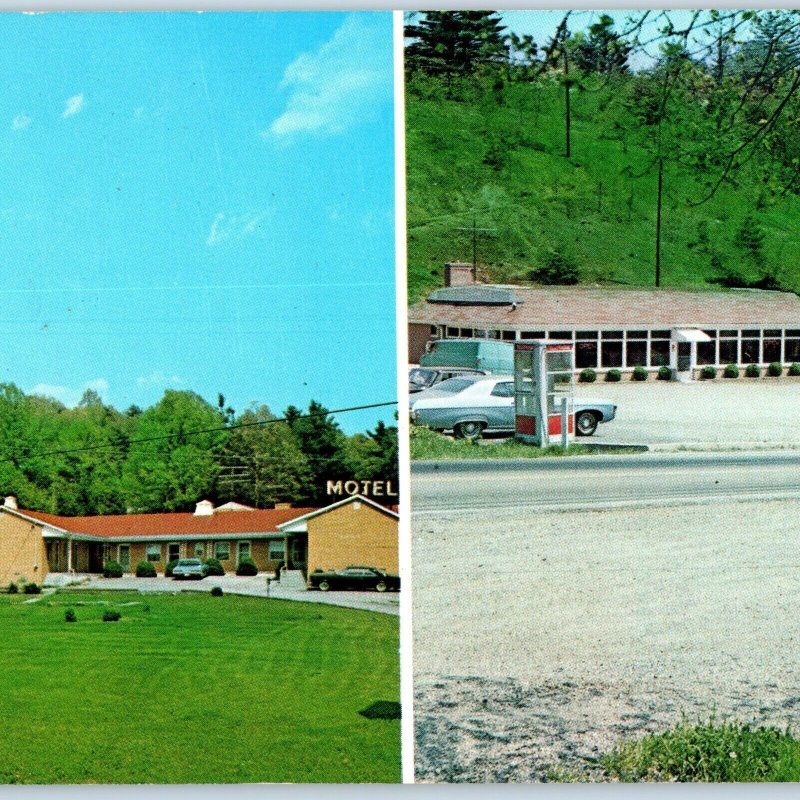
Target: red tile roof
[142,526]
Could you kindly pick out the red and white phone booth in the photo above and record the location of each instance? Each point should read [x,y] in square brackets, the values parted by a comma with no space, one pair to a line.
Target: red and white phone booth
[544,389]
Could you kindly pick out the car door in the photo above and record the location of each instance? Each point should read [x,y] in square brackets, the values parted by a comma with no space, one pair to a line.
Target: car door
[500,406]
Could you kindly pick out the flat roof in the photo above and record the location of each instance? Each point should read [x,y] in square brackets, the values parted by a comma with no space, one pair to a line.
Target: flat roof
[591,306]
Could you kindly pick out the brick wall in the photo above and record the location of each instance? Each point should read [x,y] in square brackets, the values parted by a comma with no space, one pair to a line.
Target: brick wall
[22,551]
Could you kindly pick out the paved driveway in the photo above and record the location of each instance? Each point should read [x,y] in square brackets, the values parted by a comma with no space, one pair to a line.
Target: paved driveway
[388,603]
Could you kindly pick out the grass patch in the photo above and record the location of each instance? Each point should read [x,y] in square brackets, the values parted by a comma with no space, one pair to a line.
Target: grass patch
[708,752]
[195,689]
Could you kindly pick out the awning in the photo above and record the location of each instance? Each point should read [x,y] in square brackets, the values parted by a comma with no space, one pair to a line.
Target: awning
[690,335]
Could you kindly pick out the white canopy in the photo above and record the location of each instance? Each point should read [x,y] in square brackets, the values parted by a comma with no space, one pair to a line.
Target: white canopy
[690,335]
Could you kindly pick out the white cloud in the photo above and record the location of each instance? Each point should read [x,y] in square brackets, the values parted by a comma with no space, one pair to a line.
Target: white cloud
[20,122]
[159,380]
[68,396]
[233,227]
[339,86]
[74,105]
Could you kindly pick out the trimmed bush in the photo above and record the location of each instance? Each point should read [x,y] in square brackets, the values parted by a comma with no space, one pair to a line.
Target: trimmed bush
[111,616]
[775,369]
[214,567]
[752,371]
[794,370]
[170,566]
[731,371]
[587,376]
[664,373]
[613,376]
[13,588]
[216,591]
[69,615]
[112,569]
[145,569]
[247,567]
[32,588]
[639,373]
[707,373]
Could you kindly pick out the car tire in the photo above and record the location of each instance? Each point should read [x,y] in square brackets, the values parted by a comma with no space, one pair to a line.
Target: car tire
[381,586]
[585,423]
[468,430]
[324,586]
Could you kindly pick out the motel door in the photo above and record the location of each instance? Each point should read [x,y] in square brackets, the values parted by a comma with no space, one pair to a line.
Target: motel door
[125,557]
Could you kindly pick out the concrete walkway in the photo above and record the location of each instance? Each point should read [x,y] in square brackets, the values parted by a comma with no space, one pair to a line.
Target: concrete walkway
[388,603]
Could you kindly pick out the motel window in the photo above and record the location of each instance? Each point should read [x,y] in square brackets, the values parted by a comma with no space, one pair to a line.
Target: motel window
[244,550]
[275,550]
[792,349]
[751,350]
[659,353]
[586,355]
[199,550]
[222,551]
[154,552]
[728,351]
[772,350]
[611,354]
[635,353]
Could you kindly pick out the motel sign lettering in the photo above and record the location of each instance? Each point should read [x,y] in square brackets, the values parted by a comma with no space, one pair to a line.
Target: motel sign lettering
[366,488]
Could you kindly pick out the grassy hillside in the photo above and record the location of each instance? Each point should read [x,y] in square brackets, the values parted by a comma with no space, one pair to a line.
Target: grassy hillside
[497,158]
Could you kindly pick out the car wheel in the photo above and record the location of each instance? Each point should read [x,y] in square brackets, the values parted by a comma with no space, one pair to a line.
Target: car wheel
[468,430]
[324,586]
[380,586]
[585,423]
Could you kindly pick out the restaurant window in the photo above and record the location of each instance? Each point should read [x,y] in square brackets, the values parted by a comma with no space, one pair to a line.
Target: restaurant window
[532,335]
[792,350]
[707,352]
[636,353]
[772,350]
[611,354]
[452,332]
[636,334]
[465,333]
[611,335]
[751,350]
[509,336]
[586,355]
[659,353]
[728,351]
[561,335]
[660,334]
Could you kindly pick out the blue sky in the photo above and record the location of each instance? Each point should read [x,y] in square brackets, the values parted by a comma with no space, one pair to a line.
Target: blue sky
[199,201]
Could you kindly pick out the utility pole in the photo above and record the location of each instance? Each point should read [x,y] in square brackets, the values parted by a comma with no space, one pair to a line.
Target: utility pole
[566,93]
[658,221]
[475,230]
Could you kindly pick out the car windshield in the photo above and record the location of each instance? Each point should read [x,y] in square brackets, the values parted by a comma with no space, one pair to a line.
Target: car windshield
[189,562]
[421,377]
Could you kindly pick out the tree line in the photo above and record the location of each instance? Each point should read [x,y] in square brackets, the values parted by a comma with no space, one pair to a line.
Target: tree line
[95,459]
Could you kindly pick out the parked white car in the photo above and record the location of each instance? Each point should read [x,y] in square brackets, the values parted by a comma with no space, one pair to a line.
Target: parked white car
[470,406]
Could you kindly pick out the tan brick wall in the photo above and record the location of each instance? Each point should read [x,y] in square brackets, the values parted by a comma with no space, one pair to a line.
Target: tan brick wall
[353,535]
[22,551]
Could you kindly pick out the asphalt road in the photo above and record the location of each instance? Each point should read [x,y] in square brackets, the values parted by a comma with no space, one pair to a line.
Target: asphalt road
[609,481]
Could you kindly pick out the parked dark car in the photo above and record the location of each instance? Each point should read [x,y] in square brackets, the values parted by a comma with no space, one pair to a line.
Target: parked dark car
[189,568]
[354,577]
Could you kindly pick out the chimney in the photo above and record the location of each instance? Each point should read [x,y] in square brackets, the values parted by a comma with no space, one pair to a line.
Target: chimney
[205,508]
[459,273]
[11,502]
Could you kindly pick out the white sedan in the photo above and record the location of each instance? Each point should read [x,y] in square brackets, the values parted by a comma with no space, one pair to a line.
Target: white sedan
[471,406]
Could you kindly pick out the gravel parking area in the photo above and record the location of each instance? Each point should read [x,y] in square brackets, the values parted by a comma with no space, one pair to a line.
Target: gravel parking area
[581,627]
[745,412]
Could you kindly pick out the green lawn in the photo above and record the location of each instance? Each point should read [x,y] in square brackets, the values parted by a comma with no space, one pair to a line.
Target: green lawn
[195,689]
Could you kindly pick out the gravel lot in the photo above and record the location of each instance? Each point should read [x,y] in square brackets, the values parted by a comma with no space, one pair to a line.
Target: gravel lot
[726,413]
[581,627]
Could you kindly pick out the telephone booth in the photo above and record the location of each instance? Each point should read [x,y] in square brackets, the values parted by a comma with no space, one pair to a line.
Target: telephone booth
[544,388]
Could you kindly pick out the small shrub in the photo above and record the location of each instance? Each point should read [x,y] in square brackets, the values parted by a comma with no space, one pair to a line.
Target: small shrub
[145,569]
[13,588]
[247,567]
[214,567]
[664,373]
[731,371]
[32,588]
[112,569]
[775,369]
[752,371]
[794,370]
[639,373]
[613,376]
[170,566]
[588,376]
[216,591]
[708,372]
[111,616]
[69,615]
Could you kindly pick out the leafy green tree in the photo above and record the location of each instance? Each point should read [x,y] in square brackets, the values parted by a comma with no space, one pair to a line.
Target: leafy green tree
[373,456]
[603,50]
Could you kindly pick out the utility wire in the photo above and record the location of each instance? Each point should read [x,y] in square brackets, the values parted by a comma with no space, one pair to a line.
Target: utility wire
[167,436]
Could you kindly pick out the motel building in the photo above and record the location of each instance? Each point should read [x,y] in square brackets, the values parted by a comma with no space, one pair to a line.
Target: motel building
[353,530]
[616,328]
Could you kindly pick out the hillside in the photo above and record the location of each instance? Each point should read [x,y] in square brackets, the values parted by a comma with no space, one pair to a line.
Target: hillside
[495,158]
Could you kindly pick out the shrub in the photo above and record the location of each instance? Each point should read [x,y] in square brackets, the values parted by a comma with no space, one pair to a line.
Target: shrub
[613,376]
[247,567]
[588,376]
[13,588]
[111,616]
[216,591]
[32,588]
[731,371]
[69,615]
[639,373]
[664,373]
[707,373]
[214,567]
[170,566]
[794,370]
[556,269]
[775,369]
[752,371]
[112,569]
[145,569]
